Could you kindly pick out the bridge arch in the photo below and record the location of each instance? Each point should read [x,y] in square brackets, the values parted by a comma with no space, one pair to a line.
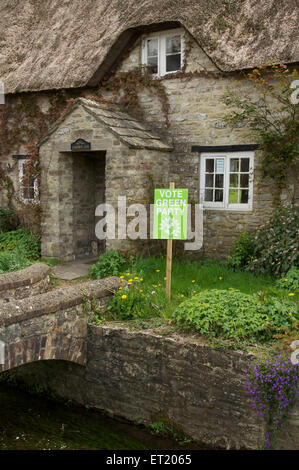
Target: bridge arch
[52,325]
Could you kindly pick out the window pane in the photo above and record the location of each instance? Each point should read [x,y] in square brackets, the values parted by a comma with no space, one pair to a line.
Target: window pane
[234,164]
[209,181]
[233,181]
[219,165]
[219,181]
[209,195]
[210,165]
[152,64]
[244,196]
[218,195]
[152,47]
[244,181]
[173,44]
[233,196]
[173,62]
[244,164]
[28,192]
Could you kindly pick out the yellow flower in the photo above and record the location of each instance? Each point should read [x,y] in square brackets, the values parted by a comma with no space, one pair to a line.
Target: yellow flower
[120,288]
[165,278]
[127,274]
[194,292]
[121,277]
[182,295]
[286,280]
[291,294]
[159,285]
[141,290]
[141,279]
[220,278]
[193,280]
[290,314]
[124,296]
[157,270]
[136,277]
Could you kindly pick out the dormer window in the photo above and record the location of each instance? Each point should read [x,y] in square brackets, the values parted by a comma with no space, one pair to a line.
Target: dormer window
[162,53]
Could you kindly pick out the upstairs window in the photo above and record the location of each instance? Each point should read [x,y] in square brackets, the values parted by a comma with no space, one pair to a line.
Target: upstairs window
[226,180]
[163,53]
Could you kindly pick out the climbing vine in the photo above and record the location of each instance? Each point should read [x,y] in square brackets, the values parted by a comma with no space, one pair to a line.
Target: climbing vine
[273,118]
[125,87]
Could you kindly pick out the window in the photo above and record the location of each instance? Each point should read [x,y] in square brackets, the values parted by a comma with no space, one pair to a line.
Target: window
[28,185]
[162,53]
[226,180]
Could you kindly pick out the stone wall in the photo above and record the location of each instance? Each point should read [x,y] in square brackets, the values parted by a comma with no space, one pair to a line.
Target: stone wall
[145,377]
[27,282]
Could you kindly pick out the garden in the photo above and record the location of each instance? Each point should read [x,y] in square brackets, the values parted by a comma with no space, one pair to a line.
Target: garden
[248,302]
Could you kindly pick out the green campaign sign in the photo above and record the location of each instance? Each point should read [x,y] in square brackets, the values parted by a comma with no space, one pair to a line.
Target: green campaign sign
[170,214]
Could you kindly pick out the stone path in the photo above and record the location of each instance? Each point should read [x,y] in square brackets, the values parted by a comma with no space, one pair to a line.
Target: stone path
[73,269]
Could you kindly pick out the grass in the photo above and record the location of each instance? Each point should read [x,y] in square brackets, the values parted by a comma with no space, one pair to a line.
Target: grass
[188,278]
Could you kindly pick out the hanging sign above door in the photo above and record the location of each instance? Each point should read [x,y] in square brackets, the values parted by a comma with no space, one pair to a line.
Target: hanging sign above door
[80,144]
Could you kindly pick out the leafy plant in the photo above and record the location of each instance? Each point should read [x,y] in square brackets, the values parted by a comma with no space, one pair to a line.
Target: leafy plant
[272,117]
[8,219]
[281,314]
[92,309]
[290,281]
[224,313]
[273,389]
[13,261]
[132,302]
[23,239]
[243,251]
[276,246]
[109,264]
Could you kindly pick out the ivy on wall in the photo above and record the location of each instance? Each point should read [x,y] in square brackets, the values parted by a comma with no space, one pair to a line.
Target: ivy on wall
[272,117]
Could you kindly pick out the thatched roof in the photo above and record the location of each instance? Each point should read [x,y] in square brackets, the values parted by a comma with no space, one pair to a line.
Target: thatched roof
[126,128]
[52,44]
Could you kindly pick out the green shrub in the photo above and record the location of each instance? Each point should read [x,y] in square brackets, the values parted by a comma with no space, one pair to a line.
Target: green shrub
[224,313]
[281,314]
[13,261]
[276,244]
[8,219]
[132,303]
[273,248]
[290,281]
[23,239]
[243,251]
[109,264]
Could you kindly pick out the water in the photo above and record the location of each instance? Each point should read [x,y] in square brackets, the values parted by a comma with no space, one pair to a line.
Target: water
[30,422]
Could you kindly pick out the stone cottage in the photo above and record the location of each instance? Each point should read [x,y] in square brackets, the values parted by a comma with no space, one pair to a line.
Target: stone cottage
[123,97]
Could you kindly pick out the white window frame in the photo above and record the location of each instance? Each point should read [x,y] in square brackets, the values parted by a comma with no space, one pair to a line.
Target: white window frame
[225,205]
[161,37]
[21,163]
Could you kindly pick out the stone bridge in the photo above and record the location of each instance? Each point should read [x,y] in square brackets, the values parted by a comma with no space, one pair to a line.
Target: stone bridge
[48,325]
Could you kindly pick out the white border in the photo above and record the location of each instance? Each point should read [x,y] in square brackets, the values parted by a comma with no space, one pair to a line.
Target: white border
[225,206]
[161,36]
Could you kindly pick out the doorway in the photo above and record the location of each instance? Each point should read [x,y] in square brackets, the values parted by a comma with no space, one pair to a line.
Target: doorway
[88,193]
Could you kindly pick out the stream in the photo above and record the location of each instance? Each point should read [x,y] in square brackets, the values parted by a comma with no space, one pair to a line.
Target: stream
[31,422]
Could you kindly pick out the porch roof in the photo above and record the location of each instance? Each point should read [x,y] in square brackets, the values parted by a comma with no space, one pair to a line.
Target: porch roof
[129,130]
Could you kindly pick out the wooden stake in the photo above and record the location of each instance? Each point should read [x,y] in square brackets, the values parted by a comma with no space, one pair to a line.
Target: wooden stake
[169,261]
